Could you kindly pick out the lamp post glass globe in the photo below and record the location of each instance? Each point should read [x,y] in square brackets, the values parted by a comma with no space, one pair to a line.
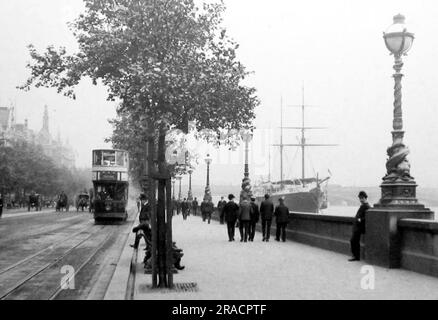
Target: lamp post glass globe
[208,159]
[397,39]
[247,136]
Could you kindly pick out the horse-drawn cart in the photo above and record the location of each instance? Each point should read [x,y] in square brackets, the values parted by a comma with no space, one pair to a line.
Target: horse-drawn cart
[34,202]
[62,203]
[82,201]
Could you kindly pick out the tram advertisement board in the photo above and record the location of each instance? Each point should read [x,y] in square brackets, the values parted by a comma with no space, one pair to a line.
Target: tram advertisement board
[111,176]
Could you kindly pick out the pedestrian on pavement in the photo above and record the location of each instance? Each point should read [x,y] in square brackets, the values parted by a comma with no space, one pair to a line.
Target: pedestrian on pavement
[1,205]
[255,216]
[185,208]
[266,213]
[201,207]
[178,206]
[174,206]
[231,212]
[195,205]
[188,207]
[207,209]
[220,208]
[359,226]
[145,211]
[244,219]
[282,219]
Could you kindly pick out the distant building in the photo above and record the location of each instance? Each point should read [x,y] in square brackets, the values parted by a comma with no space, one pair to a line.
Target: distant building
[61,153]
[4,119]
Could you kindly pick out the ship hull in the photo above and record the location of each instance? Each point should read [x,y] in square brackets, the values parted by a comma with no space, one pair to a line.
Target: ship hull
[307,202]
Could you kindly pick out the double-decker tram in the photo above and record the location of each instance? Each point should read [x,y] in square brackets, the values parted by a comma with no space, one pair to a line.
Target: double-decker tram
[110,181]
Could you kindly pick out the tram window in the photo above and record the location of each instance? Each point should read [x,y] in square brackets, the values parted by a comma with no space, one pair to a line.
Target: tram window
[120,193]
[109,159]
[105,192]
[97,159]
[120,159]
[116,192]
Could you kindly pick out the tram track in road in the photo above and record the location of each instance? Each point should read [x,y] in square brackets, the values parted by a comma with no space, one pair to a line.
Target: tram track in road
[8,293]
[82,265]
[93,278]
[16,251]
[90,254]
[35,227]
[42,251]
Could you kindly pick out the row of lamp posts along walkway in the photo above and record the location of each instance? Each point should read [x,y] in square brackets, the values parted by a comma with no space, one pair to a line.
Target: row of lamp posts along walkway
[398,198]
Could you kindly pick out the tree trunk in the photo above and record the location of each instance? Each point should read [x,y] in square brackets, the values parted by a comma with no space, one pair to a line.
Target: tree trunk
[169,234]
[161,211]
[153,206]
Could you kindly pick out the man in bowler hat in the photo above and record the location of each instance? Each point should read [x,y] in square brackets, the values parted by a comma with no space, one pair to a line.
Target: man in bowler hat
[359,226]
[266,213]
[231,213]
[282,219]
[255,216]
[244,220]
[1,205]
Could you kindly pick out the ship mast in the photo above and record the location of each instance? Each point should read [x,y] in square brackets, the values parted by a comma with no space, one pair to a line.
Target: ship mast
[303,140]
[269,176]
[281,145]
[303,143]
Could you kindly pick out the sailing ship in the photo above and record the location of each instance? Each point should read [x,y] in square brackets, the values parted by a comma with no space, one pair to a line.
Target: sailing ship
[308,195]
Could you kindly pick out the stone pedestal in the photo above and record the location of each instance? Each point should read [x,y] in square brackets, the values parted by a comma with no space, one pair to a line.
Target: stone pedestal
[399,195]
[382,238]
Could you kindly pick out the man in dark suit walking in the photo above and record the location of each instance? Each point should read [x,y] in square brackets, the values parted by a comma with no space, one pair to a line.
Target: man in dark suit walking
[255,216]
[1,205]
[220,208]
[244,220]
[185,208]
[282,219]
[195,206]
[266,213]
[178,206]
[231,212]
[207,208]
[359,226]
[145,210]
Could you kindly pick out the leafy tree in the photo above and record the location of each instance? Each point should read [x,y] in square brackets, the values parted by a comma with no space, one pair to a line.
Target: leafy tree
[24,168]
[163,59]
[167,62]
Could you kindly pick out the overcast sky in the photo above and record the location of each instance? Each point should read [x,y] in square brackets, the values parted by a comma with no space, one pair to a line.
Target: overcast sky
[334,47]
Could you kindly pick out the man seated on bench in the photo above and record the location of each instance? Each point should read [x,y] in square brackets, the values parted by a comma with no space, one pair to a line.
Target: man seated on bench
[143,230]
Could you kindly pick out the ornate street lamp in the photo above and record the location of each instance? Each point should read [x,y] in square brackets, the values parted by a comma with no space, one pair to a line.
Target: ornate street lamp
[207,195]
[398,200]
[190,195]
[246,192]
[399,187]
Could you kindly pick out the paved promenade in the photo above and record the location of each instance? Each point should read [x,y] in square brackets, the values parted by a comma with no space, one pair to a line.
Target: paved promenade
[259,270]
